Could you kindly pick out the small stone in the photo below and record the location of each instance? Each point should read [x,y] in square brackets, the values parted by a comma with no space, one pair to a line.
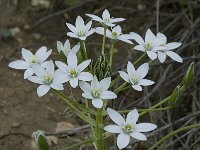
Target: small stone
[53,139]
[15,125]
[14,31]
[140,7]
[63,126]
[37,36]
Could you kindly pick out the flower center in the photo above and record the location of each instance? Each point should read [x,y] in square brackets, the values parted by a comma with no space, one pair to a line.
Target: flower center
[149,46]
[114,34]
[106,19]
[81,33]
[128,128]
[33,60]
[96,92]
[134,79]
[73,73]
[48,79]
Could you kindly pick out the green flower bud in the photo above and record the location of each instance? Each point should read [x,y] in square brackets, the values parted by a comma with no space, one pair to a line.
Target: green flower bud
[174,97]
[187,80]
[41,140]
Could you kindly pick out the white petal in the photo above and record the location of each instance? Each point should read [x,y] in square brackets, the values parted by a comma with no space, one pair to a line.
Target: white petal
[138,136]
[162,37]
[26,54]
[116,117]
[132,117]
[59,46]
[71,34]
[130,69]
[82,38]
[83,65]
[140,48]
[124,75]
[123,140]
[113,129]
[42,90]
[41,51]
[90,32]
[94,17]
[35,79]
[19,64]
[61,78]
[145,127]
[62,66]
[121,38]
[106,14]
[149,37]
[152,55]
[108,95]
[114,20]
[137,38]
[73,82]
[173,45]
[95,83]
[105,83]
[76,48]
[100,30]
[117,30]
[50,68]
[71,27]
[39,71]
[146,82]
[79,22]
[85,76]
[161,56]
[28,73]
[67,45]
[142,70]
[85,86]
[174,56]
[137,87]
[88,26]
[72,60]
[87,95]
[57,86]
[98,103]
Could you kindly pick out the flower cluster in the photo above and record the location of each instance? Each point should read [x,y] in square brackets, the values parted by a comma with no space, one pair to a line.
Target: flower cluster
[78,74]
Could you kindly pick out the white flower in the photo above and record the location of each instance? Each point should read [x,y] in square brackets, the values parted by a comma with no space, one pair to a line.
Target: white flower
[106,19]
[97,91]
[29,60]
[73,72]
[80,30]
[136,77]
[115,34]
[127,128]
[66,47]
[48,78]
[168,49]
[150,45]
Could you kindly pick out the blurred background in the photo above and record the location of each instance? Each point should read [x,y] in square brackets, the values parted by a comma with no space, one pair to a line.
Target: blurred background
[34,23]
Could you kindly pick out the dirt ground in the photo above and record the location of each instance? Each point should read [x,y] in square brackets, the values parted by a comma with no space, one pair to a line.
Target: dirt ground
[21,110]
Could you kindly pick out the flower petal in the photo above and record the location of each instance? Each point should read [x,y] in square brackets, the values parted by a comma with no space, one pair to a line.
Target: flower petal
[137,87]
[145,127]
[76,48]
[152,55]
[142,70]
[79,22]
[50,68]
[146,82]
[19,64]
[114,20]
[138,136]
[108,95]
[88,26]
[132,117]
[123,140]
[95,83]
[85,76]
[149,37]
[28,73]
[83,65]
[57,86]
[115,116]
[35,79]
[140,48]
[26,54]
[62,66]
[124,75]
[137,38]
[72,60]
[105,83]
[71,27]
[39,71]
[106,14]
[94,17]
[174,56]
[98,103]
[85,86]
[42,90]
[73,82]
[130,69]
[87,95]
[59,46]
[71,34]
[161,57]
[172,45]
[113,129]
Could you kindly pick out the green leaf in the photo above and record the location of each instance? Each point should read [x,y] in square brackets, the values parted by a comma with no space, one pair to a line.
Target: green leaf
[188,78]
[41,140]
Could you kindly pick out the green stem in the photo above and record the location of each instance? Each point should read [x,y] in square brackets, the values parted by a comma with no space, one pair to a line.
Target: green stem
[172,134]
[120,88]
[104,40]
[92,128]
[73,106]
[99,131]
[111,54]
[139,59]
[83,51]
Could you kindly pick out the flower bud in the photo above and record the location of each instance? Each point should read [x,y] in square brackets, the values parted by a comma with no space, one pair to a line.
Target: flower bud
[188,76]
[41,140]
[174,97]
